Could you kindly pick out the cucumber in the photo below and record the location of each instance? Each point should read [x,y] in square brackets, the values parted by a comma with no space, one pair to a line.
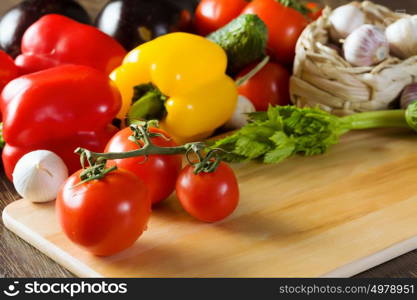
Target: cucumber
[244,40]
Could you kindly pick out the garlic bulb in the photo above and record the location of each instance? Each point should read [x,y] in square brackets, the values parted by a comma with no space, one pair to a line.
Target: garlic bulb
[402,37]
[240,117]
[366,46]
[408,95]
[39,175]
[344,20]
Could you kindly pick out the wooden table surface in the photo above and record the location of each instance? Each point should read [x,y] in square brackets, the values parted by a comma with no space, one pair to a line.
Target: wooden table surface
[19,259]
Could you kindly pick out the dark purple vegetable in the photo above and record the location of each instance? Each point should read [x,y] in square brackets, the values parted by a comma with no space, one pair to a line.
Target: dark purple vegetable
[191,5]
[16,20]
[133,22]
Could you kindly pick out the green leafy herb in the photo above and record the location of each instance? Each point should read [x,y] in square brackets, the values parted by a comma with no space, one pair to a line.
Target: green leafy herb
[284,131]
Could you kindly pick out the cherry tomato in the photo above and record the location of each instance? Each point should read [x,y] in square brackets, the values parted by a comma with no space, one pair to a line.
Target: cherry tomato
[104,216]
[159,172]
[209,197]
[285,25]
[8,69]
[211,15]
[315,10]
[269,86]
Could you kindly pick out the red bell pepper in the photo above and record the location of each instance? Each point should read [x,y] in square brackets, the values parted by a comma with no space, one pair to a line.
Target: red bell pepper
[95,141]
[57,109]
[57,103]
[55,40]
[8,69]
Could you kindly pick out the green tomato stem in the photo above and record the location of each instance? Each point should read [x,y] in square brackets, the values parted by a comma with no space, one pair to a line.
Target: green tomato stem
[97,167]
[147,149]
[253,72]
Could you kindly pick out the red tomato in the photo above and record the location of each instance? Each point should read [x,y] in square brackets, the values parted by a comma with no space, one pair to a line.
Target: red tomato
[104,216]
[8,69]
[285,25]
[159,172]
[209,197]
[315,10]
[57,104]
[211,15]
[269,86]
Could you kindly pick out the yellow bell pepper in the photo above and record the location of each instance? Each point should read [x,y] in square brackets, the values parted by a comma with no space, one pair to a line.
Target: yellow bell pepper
[189,71]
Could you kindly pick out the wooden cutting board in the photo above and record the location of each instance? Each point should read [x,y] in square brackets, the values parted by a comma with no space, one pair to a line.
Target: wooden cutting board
[332,215]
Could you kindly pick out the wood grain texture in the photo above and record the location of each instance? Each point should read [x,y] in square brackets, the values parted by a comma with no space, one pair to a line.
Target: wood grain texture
[306,217]
[18,259]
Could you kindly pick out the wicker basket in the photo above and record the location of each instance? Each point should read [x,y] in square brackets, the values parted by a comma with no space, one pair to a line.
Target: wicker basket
[325,79]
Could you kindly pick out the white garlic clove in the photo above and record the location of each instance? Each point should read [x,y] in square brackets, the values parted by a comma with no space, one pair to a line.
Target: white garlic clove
[366,46]
[240,118]
[402,37]
[344,20]
[38,176]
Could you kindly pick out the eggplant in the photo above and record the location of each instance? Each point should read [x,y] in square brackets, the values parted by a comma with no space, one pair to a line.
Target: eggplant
[190,5]
[16,20]
[133,22]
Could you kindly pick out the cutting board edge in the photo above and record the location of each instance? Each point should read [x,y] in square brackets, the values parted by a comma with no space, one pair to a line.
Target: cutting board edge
[80,269]
[373,260]
[55,253]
